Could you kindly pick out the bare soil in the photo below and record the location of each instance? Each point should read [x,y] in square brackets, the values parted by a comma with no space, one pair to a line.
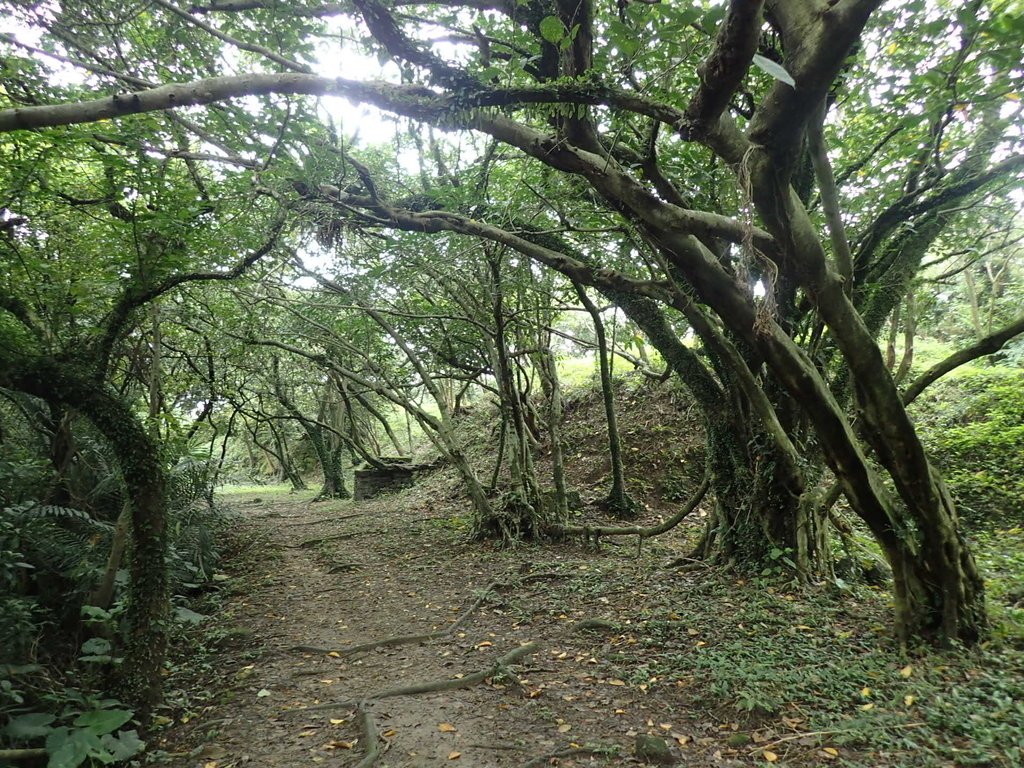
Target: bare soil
[610,653]
[274,661]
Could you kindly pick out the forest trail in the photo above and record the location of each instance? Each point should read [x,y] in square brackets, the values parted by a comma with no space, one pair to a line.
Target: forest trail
[336,575]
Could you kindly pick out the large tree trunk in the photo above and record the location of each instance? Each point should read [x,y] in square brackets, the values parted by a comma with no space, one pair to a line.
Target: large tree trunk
[139,458]
[330,463]
[939,592]
[759,498]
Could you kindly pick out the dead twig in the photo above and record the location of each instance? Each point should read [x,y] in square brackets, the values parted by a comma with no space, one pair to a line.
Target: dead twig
[324,539]
[327,520]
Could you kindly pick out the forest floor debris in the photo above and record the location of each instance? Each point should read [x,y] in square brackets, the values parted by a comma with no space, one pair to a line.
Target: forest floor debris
[722,670]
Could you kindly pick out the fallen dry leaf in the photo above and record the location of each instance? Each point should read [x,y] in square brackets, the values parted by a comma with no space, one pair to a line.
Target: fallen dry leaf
[564,728]
[770,756]
[454,755]
[446,728]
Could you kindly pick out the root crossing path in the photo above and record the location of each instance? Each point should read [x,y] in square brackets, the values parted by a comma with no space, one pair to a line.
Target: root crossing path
[403,644]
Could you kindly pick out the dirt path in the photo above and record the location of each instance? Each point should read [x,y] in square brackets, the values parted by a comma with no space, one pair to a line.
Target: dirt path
[395,567]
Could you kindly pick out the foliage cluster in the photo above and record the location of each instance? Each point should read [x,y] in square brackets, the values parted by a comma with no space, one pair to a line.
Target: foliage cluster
[57,649]
[973,422]
[824,667]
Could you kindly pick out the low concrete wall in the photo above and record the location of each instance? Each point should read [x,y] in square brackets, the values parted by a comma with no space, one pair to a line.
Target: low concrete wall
[372,481]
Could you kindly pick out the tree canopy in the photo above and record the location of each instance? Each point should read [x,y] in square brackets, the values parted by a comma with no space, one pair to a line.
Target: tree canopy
[776,180]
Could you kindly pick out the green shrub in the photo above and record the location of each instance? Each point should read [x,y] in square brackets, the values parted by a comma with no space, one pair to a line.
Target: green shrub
[973,424]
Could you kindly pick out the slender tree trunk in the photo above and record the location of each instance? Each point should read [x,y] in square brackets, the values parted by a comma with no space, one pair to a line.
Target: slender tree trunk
[909,332]
[617,501]
[890,346]
[522,510]
[549,368]
[62,452]
[500,453]
[103,595]
[972,299]
[280,451]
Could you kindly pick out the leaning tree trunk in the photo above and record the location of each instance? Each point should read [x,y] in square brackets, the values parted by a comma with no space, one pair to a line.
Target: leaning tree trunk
[139,457]
[938,589]
[288,470]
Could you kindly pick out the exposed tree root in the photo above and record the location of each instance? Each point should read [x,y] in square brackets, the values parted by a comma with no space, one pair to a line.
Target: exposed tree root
[596,749]
[368,725]
[371,736]
[308,543]
[594,533]
[436,686]
[398,640]
[344,567]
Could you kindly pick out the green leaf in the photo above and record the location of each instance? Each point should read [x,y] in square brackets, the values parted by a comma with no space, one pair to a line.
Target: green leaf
[69,749]
[30,726]
[552,29]
[185,616]
[123,746]
[775,70]
[92,613]
[103,721]
[96,646]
